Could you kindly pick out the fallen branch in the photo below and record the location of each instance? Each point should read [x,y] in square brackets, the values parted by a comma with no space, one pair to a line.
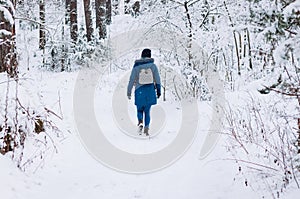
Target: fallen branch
[52,112]
[253,163]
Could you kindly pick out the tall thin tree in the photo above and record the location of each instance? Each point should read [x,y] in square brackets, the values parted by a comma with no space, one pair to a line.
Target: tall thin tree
[88,19]
[42,42]
[73,20]
[235,39]
[67,14]
[108,12]
[101,17]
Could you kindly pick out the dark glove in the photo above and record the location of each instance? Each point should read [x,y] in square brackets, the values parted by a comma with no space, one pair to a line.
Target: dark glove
[158,93]
[129,96]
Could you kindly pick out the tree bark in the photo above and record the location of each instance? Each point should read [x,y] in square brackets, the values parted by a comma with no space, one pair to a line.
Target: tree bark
[101,18]
[42,42]
[67,16]
[108,12]
[249,48]
[8,53]
[126,7]
[88,19]
[73,20]
[190,33]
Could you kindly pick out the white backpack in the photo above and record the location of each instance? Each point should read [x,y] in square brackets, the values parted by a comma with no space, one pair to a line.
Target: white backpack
[146,76]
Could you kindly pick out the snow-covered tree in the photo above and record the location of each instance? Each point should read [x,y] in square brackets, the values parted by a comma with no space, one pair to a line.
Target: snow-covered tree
[108,12]
[8,57]
[100,6]
[73,20]
[42,25]
[88,19]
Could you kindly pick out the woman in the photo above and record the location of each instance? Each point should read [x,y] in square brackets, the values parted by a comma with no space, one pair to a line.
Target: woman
[145,77]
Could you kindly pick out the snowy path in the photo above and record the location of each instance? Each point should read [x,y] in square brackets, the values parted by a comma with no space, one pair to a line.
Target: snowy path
[74,173]
[95,141]
[92,135]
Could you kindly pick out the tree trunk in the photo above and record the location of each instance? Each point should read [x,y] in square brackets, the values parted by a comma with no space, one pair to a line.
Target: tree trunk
[8,53]
[240,53]
[190,34]
[63,36]
[42,25]
[235,39]
[249,48]
[126,7]
[88,19]
[108,12]
[67,15]
[73,20]
[101,18]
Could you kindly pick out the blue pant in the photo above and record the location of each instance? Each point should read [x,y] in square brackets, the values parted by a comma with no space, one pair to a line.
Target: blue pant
[144,110]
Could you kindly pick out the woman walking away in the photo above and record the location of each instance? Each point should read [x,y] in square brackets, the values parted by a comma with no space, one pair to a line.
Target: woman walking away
[145,77]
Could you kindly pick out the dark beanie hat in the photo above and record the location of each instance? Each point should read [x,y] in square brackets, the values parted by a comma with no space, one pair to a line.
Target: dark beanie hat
[146,53]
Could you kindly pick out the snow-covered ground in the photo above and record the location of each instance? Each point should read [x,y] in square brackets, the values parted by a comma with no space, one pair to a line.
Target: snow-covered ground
[73,173]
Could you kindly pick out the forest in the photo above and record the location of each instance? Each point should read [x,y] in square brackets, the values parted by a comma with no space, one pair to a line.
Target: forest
[237,58]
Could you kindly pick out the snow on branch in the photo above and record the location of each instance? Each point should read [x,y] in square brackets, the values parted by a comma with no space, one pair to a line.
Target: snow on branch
[4,33]
[7,15]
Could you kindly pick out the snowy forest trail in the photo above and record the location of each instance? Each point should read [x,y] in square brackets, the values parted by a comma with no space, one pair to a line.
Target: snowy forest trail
[226,125]
[74,173]
[188,177]
[96,124]
[86,99]
[85,116]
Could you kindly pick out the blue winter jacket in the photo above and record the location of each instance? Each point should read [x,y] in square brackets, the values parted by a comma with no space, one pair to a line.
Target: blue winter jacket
[144,94]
